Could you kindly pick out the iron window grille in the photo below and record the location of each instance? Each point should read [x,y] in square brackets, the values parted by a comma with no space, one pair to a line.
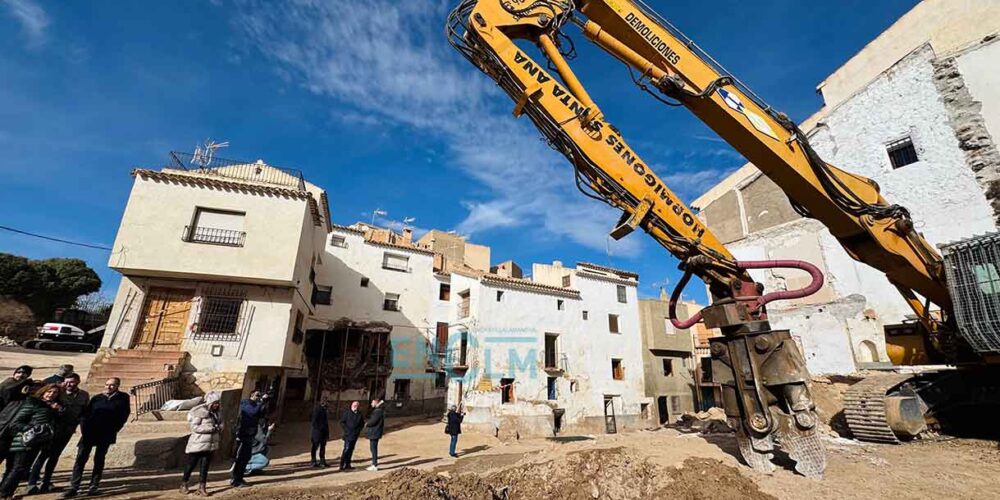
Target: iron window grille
[901,152]
[337,240]
[622,297]
[220,318]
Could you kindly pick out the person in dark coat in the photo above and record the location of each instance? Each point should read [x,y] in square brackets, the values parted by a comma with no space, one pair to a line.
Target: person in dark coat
[251,411]
[454,428]
[375,427]
[60,376]
[320,435]
[73,400]
[37,412]
[103,418]
[15,387]
[351,423]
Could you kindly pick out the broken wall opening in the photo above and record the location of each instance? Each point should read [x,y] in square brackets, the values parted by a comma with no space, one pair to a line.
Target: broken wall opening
[350,361]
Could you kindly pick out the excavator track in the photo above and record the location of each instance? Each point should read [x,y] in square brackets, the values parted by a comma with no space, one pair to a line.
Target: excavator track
[864,407]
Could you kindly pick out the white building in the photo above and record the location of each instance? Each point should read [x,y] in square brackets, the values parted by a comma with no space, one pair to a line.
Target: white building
[215,266]
[384,293]
[559,352]
[917,110]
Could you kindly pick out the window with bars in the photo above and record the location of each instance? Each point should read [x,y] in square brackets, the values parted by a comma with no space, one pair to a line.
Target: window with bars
[219,316]
[901,152]
[566,281]
[622,294]
[217,227]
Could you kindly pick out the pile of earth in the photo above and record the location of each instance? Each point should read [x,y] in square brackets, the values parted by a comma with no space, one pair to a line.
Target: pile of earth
[588,475]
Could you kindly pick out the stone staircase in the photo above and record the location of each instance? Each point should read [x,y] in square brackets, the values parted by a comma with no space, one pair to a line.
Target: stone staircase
[133,367]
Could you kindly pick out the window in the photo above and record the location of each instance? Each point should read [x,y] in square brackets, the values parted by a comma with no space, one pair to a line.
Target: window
[299,335]
[401,389]
[364,282]
[617,369]
[322,295]
[444,292]
[560,305]
[506,390]
[551,386]
[463,306]
[337,240]
[644,411]
[585,315]
[440,381]
[396,262]
[217,227]
[901,152]
[566,281]
[613,323]
[622,295]
[675,404]
[499,295]
[706,369]
[551,352]
[391,302]
[668,367]
[219,316]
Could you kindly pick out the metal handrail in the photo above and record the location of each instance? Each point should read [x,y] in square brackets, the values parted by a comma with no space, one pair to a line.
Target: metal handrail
[214,236]
[237,169]
[151,396]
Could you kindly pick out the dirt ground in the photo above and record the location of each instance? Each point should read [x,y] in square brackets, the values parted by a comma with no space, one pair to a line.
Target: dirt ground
[662,463]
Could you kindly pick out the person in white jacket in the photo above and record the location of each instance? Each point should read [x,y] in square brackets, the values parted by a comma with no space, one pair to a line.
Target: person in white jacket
[206,435]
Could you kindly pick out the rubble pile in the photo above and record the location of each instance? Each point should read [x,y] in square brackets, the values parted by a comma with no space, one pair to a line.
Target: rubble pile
[6,341]
[614,473]
[712,421]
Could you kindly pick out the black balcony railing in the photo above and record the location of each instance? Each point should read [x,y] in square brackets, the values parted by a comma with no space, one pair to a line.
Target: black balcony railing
[214,236]
[392,266]
[242,170]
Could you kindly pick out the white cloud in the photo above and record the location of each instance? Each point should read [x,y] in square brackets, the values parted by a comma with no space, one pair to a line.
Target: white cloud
[33,20]
[386,61]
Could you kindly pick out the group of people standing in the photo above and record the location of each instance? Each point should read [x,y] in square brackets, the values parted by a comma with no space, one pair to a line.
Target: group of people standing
[352,422]
[38,419]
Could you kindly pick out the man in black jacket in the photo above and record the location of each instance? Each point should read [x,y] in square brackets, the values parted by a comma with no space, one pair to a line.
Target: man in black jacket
[320,434]
[103,417]
[454,428]
[351,423]
[14,388]
[375,428]
[251,411]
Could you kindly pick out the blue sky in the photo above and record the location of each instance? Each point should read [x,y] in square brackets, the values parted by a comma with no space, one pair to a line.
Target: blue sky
[371,103]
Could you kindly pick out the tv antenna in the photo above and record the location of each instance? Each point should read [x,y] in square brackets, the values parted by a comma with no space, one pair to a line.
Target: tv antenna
[407,221]
[378,212]
[205,153]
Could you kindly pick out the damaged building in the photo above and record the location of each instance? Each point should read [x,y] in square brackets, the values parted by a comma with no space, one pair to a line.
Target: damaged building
[918,111]
[558,352]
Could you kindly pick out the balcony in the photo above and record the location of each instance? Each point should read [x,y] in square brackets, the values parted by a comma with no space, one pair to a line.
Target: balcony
[258,172]
[555,361]
[214,236]
[451,359]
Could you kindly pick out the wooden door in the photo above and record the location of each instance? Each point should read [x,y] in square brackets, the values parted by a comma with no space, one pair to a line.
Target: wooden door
[165,318]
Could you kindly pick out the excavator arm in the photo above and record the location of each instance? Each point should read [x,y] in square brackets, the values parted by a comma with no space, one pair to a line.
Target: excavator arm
[761,370]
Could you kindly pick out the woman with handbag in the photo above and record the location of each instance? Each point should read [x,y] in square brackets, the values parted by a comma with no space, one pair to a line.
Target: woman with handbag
[31,429]
[206,436]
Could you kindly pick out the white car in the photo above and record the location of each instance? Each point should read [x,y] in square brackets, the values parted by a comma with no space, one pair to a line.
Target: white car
[61,331]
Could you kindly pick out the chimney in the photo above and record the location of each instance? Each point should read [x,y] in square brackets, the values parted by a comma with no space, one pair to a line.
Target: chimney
[407,236]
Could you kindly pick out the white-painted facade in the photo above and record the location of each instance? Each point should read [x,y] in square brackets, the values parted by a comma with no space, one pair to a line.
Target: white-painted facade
[362,275]
[505,327]
[233,297]
[913,96]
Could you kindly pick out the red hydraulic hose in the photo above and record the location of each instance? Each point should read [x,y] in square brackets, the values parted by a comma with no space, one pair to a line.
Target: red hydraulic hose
[811,288]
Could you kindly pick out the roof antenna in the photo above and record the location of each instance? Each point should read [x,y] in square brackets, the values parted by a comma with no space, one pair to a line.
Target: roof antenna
[205,153]
[377,213]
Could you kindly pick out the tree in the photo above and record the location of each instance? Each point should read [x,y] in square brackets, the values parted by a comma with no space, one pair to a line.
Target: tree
[44,285]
